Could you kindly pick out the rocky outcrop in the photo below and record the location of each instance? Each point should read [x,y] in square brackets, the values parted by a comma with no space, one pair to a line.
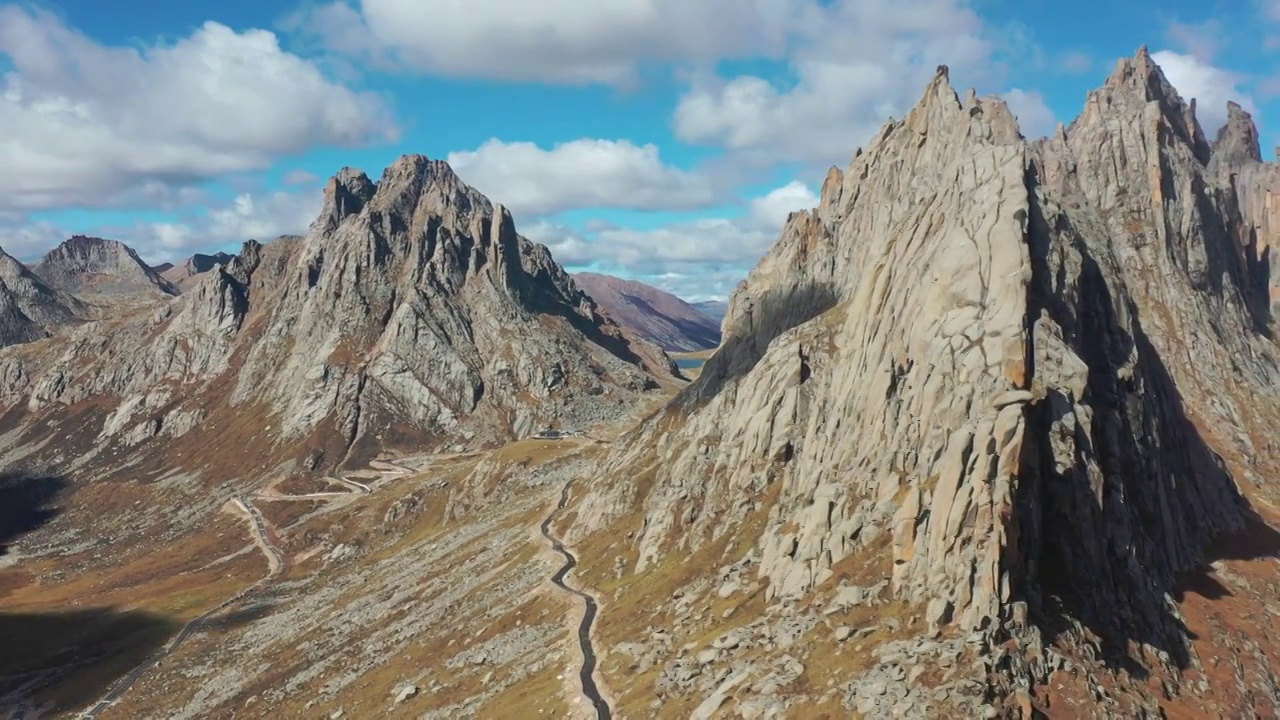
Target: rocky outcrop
[15,326]
[187,273]
[1022,382]
[412,313]
[30,309]
[1237,163]
[657,316]
[104,272]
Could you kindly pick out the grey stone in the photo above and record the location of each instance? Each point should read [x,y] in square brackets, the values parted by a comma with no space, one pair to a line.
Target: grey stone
[405,692]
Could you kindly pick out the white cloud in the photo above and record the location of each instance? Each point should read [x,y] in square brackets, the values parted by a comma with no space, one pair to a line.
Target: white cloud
[1035,119]
[301,177]
[261,217]
[567,41]
[1074,62]
[579,174]
[1211,86]
[858,62]
[29,241]
[339,27]
[695,259]
[88,124]
[771,211]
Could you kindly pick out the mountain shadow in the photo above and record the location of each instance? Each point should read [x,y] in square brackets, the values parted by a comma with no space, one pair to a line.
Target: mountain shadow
[65,657]
[26,503]
[72,658]
[763,320]
[1114,513]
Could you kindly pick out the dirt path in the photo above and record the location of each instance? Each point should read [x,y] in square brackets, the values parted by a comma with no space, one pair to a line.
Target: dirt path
[275,566]
[277,561]
[587,672]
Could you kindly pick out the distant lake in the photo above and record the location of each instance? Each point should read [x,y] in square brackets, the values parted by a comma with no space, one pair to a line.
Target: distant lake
[689,363]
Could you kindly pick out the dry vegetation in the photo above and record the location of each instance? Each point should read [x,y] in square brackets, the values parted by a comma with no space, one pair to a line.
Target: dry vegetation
[149,588]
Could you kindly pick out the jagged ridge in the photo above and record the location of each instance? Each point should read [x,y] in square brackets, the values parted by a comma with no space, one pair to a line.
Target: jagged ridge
[411,313]
[1007,359]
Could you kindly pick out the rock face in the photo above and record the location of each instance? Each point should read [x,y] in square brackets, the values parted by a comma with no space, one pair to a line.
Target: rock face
[1237,163]
[411,313]
[29,309]
[657,316]
[1023,382]
[101,271]
[187,273]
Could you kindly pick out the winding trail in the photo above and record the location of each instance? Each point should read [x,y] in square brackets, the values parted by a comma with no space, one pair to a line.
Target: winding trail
[275,566]
[277,561]
[587,672]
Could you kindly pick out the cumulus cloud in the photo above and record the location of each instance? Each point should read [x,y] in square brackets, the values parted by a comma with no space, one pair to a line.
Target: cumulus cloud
[261,216]
[88,124]
[769,213]
[694,259]
[856,63]
[583,173]
[566,41]
[29,241]
[1211,86]
[850,63]
[1035,119]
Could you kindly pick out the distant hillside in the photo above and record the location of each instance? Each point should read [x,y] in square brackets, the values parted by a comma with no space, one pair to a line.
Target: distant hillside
[101,271]
[714,309]
[657,316]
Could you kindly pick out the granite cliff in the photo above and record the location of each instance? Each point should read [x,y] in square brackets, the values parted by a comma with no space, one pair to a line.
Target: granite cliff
[1011,393]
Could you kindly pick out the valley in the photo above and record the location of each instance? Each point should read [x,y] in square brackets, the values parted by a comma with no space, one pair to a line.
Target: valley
[987,432]
[408,575]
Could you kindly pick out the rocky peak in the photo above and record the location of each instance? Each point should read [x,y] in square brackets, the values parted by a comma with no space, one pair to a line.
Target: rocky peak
[1135,84]
[99,269]
[411,304]
[1013,383]
[344,195]
[1237,142]
[187,273]
[415,187]
[204,263]
[31,309]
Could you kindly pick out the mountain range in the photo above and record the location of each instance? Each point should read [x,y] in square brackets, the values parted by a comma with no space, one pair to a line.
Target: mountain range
[648,312]
[987,434]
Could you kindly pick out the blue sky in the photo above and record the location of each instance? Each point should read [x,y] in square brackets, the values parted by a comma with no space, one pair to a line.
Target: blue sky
[660,139]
